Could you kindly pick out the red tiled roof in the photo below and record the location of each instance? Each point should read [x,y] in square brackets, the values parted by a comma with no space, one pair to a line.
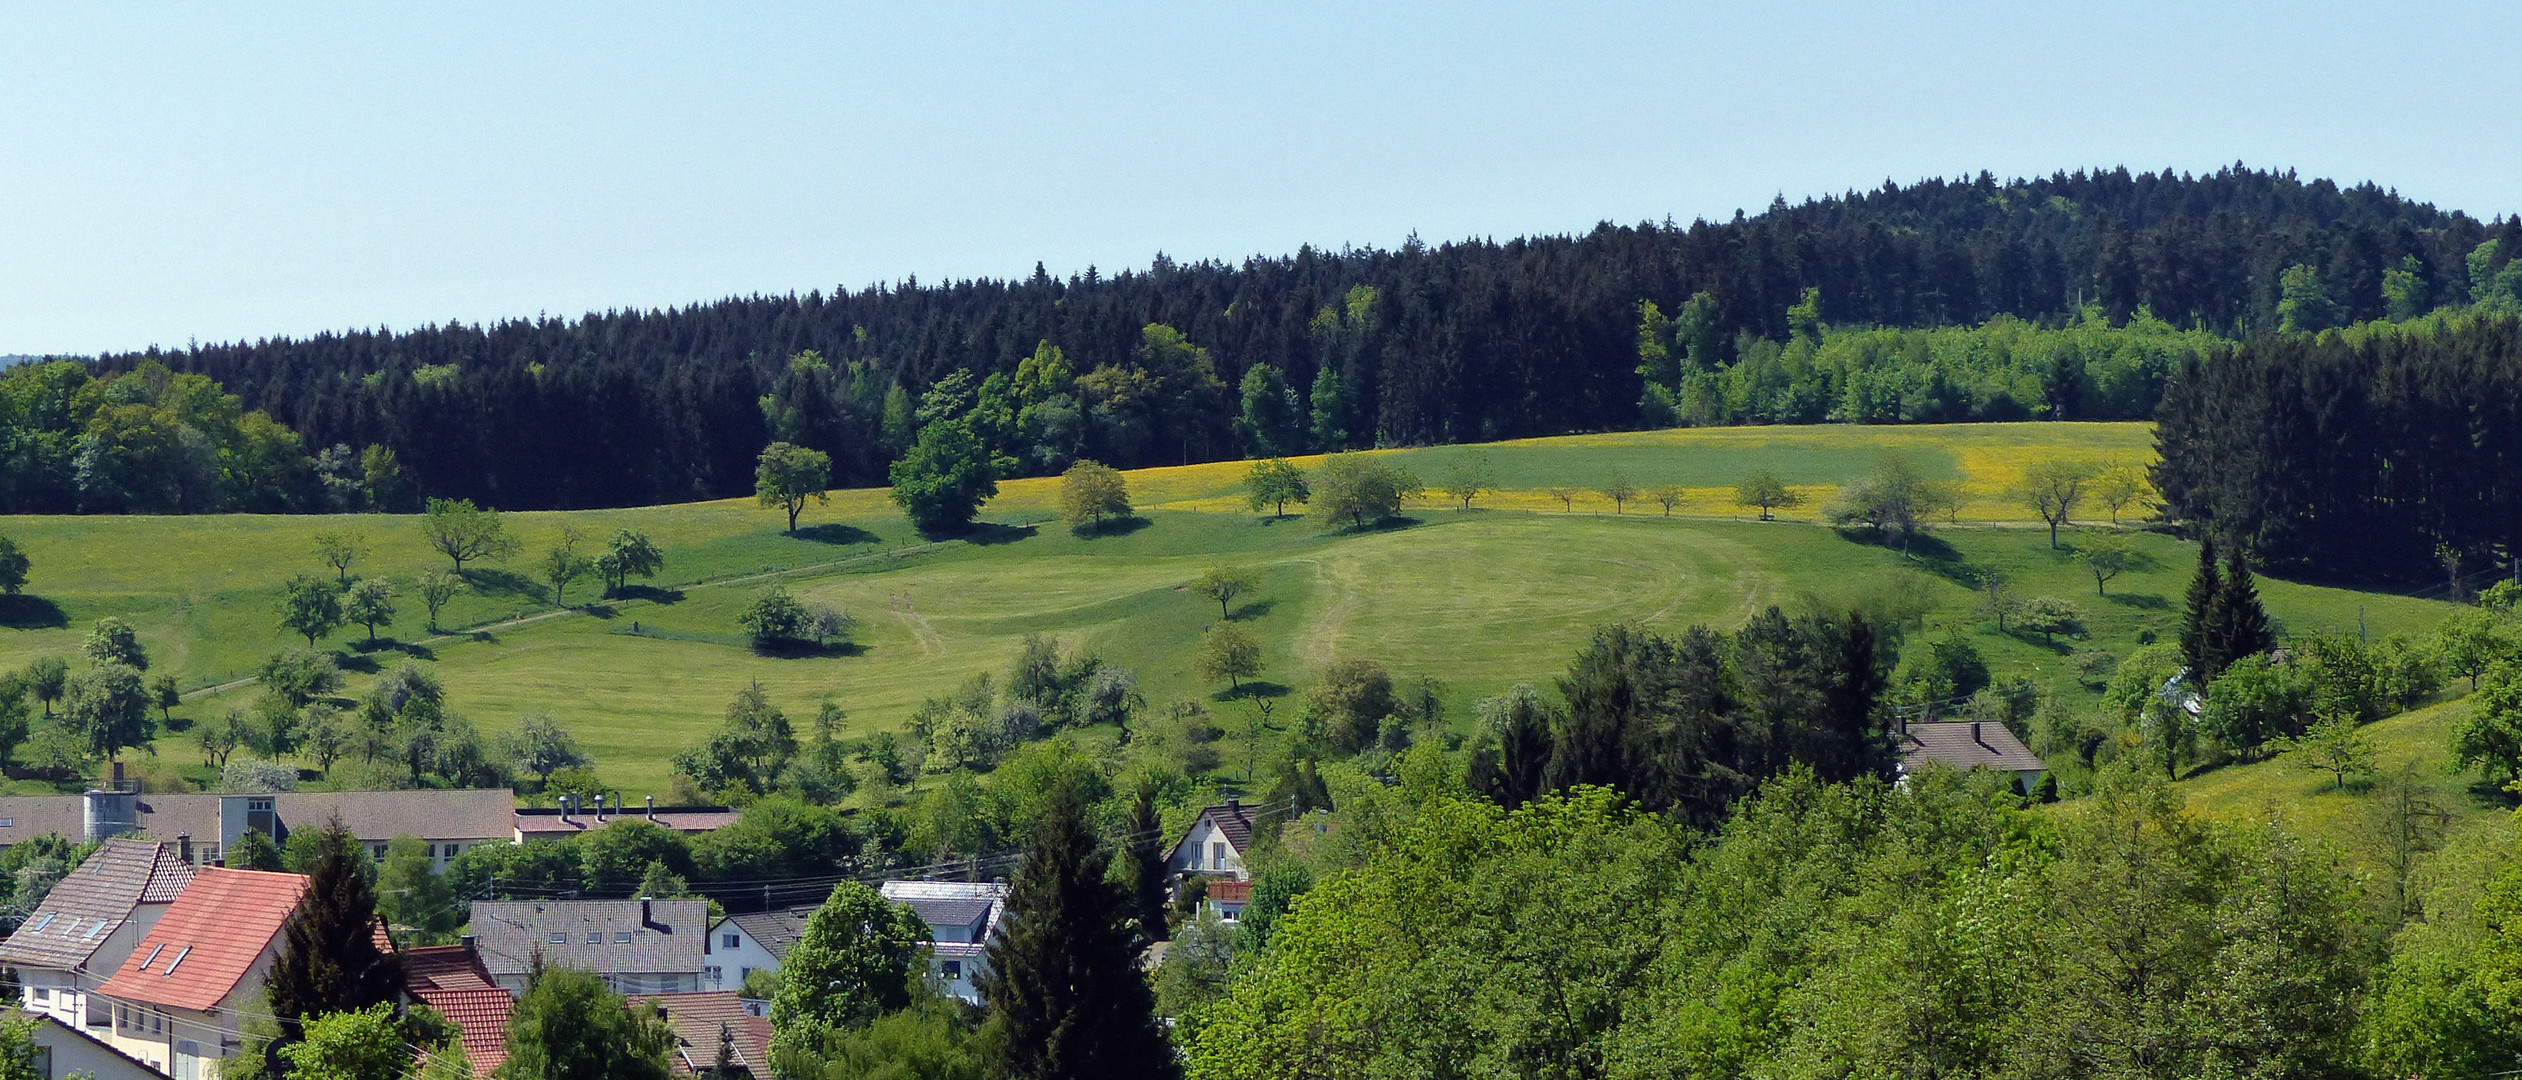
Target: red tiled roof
[444,967]
[696,1018]
[208,940]
[480,1018]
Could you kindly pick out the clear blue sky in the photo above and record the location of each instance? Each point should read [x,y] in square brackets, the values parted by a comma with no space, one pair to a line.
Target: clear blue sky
[176,172]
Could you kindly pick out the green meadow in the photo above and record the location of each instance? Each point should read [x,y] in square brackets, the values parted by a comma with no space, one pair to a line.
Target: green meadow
[1480,599]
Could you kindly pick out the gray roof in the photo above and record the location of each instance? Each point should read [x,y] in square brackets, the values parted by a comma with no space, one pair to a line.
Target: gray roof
[956,913]
[1968,744]
[464,814]
[778,931]
[675,939]
[92,901]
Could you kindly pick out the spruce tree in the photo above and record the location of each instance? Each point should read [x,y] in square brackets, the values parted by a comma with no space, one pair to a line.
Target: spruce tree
[2206,588]
[1063,971]
[1147,863]
[329,960]
[2241,625]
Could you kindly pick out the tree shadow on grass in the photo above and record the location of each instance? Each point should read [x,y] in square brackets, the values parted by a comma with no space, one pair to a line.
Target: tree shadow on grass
[835,534]
[1252,688]
[1122,526]
[807,650]
[650,593]
[391,645]
[489,582]
[1254,609]
[2144,601]
[22,612]
[988,533]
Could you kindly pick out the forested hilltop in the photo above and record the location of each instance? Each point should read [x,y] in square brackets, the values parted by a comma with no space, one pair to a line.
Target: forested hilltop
[1428,343]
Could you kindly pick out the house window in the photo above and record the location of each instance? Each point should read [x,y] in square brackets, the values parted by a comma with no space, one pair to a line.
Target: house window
[713,974]
[1227,914]
[1217,853]
[621,937]
[262,806]
[730,941]
[41,993]
[954,969]
[560,939]
[595,937]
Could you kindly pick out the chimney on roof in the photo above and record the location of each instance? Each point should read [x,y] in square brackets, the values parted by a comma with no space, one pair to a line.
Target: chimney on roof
[647,917]
[599,806]
[565,801]
[1234,802]
[1974,733]
[184,847]
[118,774]
[467,941]
[652,808]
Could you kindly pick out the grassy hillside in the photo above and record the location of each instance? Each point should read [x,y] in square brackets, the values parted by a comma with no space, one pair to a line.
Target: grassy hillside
[1480,599]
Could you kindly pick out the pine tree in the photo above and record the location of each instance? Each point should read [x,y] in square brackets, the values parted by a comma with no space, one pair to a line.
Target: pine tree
[2206,587]
[2241,626]
[329,960]
[1147,863]
[1063,975]
[724,1068]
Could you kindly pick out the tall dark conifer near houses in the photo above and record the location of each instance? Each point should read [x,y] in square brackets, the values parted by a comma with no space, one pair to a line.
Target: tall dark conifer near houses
[329,958]
[1063,973]
[1147,863]
[2206,590]
[2241,624]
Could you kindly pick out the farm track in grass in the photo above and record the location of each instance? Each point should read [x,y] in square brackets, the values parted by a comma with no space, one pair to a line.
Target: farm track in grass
[1481,599]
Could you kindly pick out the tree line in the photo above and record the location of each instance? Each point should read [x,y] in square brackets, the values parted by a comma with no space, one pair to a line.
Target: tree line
[2389,451]
[1428,343]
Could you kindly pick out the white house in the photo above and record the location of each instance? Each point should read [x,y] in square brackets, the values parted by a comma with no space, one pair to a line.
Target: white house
[1215,844]
[961,915]
[89,923]
[62,1050]
[743,944]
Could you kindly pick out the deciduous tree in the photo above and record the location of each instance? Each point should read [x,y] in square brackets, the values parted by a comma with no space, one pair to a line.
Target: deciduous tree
[1468,475]
[2053,489]
[1226,652]
[112,641]
[2490,736]
[2106,557]
[13,567]
[564,564]
[437,587]
[1090,492]
[1276,483]
[630,554]
[1618,488]
[1223,584]
[1356,491]
[945,477]
[310,607]
[341,549]
[107,708]
[370,603]
[568,1026]
[786,475]
[1763,489]
[856,960]
[463,532]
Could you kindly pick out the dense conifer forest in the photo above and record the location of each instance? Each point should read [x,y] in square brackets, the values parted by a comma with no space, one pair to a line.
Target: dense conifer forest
[1459,341]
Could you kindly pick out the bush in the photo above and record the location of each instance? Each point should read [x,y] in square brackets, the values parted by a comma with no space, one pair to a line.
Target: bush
[2049,616]
[257,775]
[775,617]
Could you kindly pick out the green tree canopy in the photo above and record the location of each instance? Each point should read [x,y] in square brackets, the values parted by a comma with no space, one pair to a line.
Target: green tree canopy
[1276,483]
[1355,491]
[1091,492]
[310,607]
[112,641]
[567,1026]
[859,958]
[463,532]
[945,477]
[786,475]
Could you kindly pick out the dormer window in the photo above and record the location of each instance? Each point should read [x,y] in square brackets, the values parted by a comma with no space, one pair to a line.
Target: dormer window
[262,806]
